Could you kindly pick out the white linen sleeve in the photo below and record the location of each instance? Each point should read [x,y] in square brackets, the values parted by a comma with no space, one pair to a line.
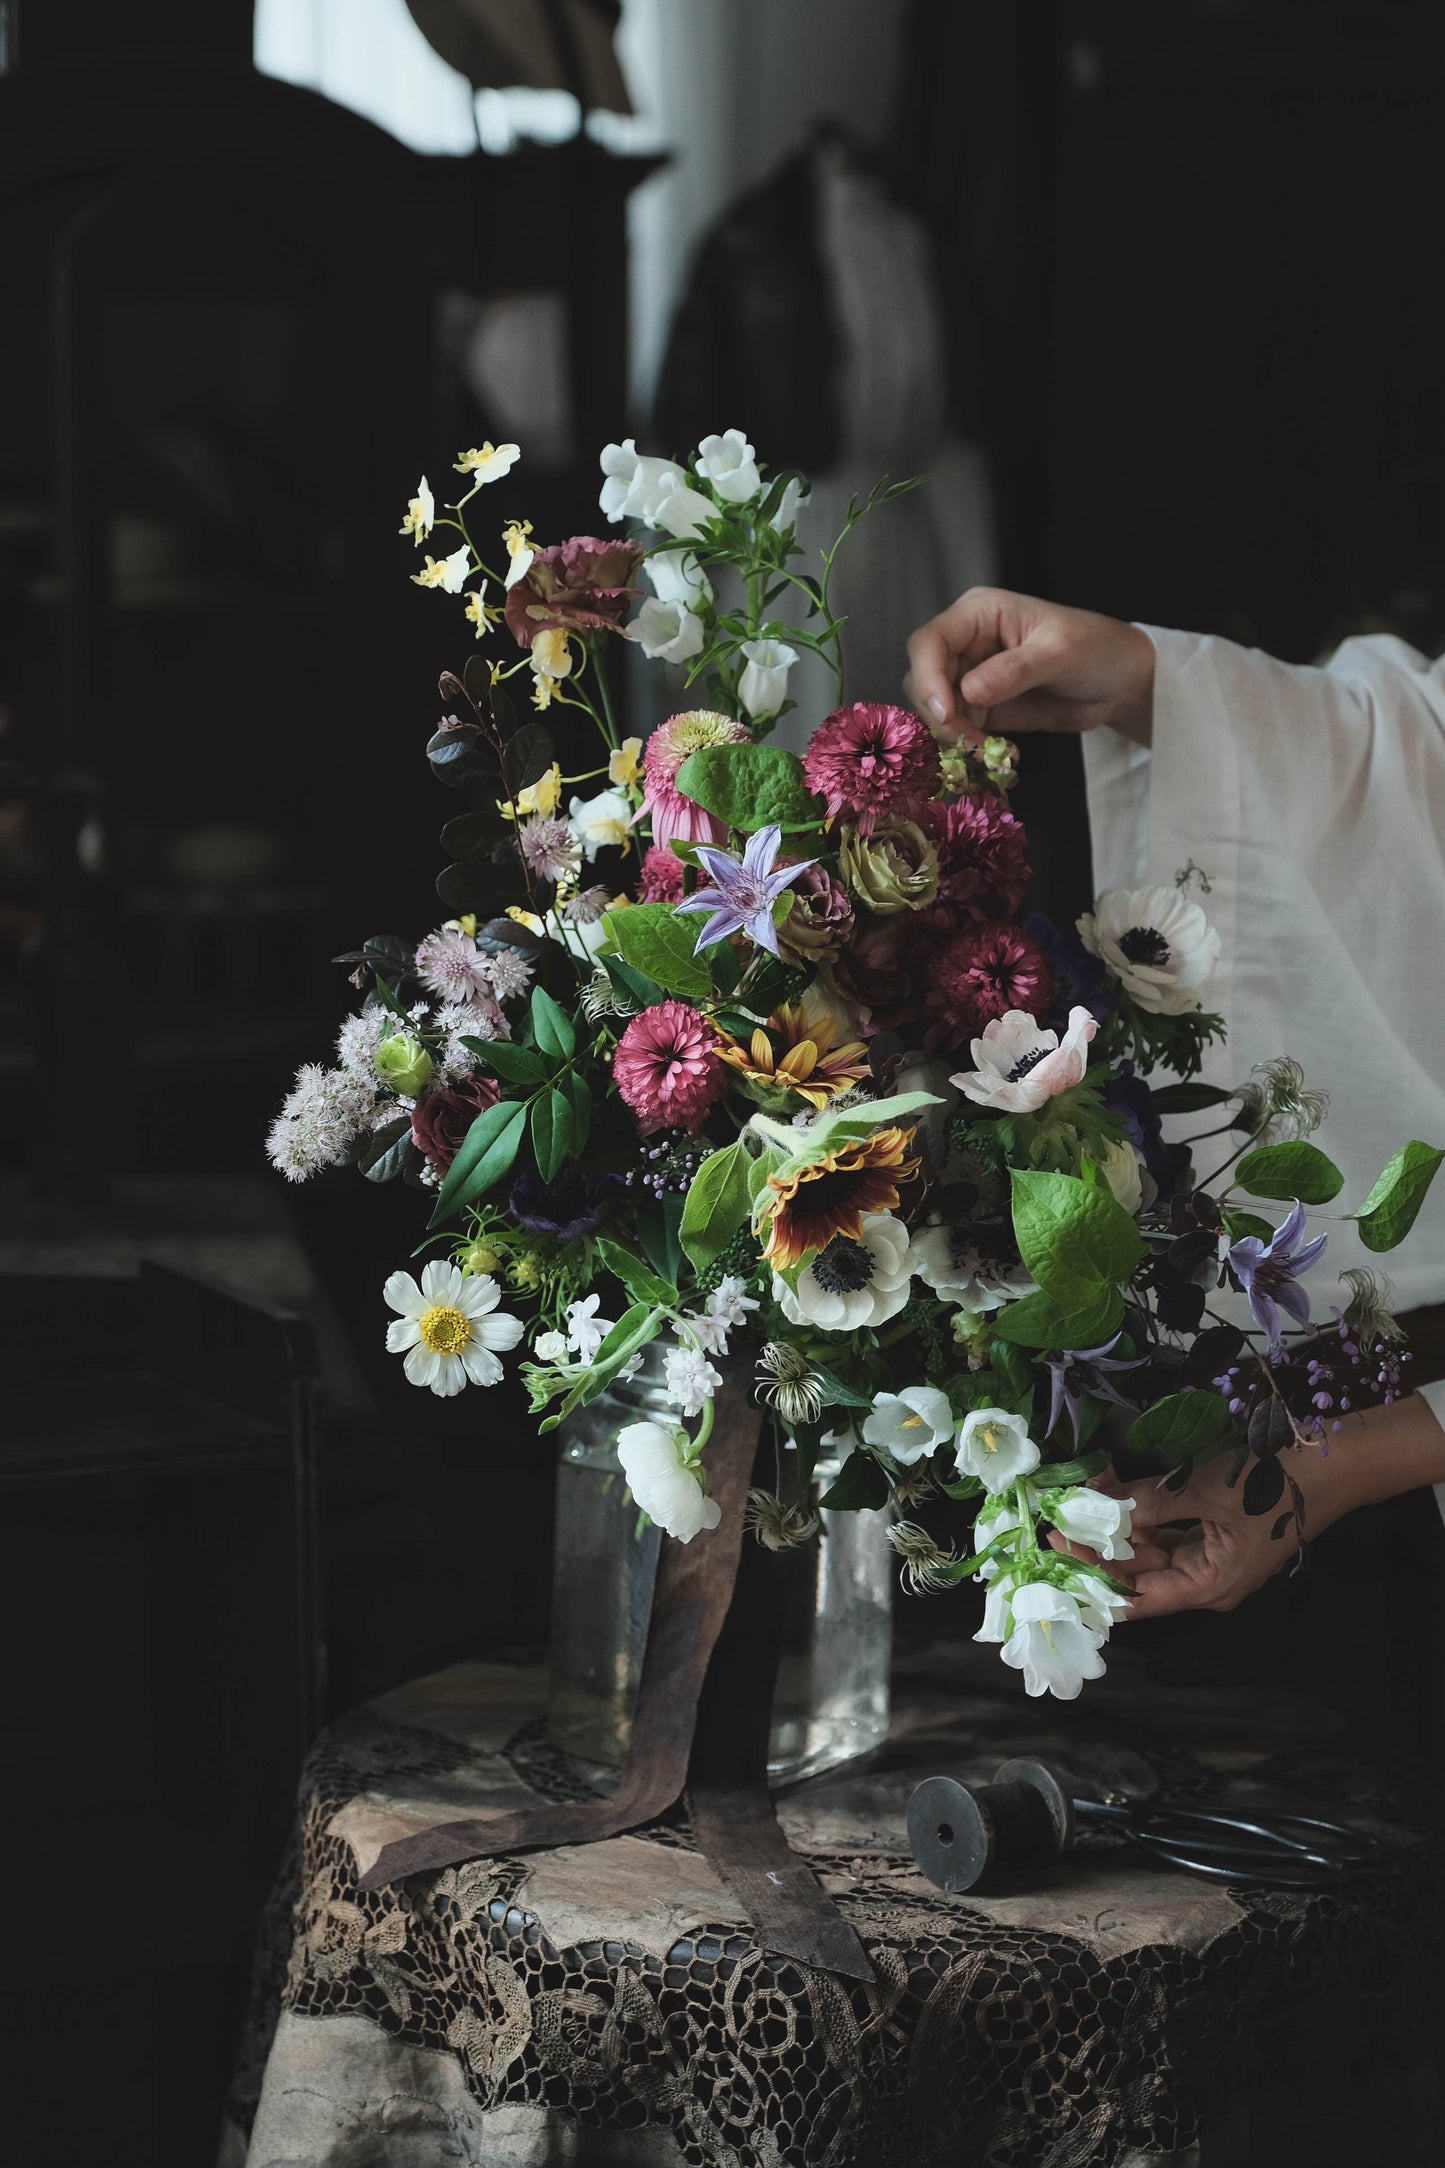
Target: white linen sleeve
[1434,1399]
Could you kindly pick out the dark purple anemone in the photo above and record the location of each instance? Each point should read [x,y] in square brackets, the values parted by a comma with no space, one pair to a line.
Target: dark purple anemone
[572,1205]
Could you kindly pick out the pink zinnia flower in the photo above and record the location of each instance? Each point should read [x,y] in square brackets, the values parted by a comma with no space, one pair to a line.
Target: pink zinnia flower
[451,966]
[870,759]
[661,878]
[667,1067]
[981,973]
[667,749]
[982,849]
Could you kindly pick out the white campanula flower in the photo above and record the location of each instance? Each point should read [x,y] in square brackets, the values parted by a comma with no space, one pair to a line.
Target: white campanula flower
[634,485]
[1094,1518]
[449,1327]
[488,462]
[996,1447]
[911,1423]
[763,686]
[421,512]
[999,1519]
[684,513]
[850,1284]
[676,576]
[586,1331]
[448,573]
[1049,1643]
[1100,1607]
[550,1347]
[728,462]
[1156,942]
[946,1260]
[665,1488]
[1018,1065]
[666,631]
[793,500]
[1123,1171]
[690,1378]
[601,823]
[997,1615]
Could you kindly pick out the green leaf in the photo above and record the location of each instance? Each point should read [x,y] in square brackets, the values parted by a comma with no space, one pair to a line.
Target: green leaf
[860,1485]
[653,939]
[618,1343]
[384,1154]
[1065,1475]
[1289,1171]
[1188,1098]
[526,757]
[551,1132]
[487,1152]
[1388,1213]
[716,1204]
[750,787]
[1038,1321]
[1239,1224]
[837,1392]
[478,835]
[519,1064]
[630,984]
[552,1027]
[1181,1426]
[641,1285]
[1073,1237]
[575,1087]
[658,1221]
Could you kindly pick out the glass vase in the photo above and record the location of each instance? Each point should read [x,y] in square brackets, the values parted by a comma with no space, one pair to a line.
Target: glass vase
[831,1701]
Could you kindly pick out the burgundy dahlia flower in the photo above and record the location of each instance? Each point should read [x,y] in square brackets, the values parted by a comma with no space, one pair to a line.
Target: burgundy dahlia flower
[983,868]
[667,1067]
[871,759]
[982,972]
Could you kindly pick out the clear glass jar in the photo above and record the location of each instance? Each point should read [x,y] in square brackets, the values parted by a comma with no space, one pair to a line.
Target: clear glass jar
[831,1701]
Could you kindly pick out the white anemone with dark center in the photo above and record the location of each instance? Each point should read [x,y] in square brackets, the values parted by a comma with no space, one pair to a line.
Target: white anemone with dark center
[1156,942]
[851,1284]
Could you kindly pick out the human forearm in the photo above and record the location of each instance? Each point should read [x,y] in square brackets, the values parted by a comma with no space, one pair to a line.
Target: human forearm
[1385,1452]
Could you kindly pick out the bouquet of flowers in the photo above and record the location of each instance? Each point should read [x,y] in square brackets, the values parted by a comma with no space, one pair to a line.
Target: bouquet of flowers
[719,1037]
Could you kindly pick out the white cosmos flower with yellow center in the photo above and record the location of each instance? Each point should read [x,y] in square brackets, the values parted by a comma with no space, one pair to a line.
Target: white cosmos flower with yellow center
[488,462]
[996,1447]
[449,1328]
[421,512]
[447,573]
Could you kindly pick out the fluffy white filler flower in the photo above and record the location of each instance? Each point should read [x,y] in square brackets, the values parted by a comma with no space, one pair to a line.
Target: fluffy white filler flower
[320,1120]
[586,1331]
[727,461]
[879,1263]
[449,1327]
[996,1447]
[763,686]
[1050,1643]
[691,1379]
[667,1491]
[1095,1519]
[601,823]
[911,1423]
[1017,1066]
[1158,944]
[666,631]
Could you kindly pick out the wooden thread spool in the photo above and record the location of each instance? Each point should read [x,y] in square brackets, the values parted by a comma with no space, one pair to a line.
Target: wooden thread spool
[963,1835]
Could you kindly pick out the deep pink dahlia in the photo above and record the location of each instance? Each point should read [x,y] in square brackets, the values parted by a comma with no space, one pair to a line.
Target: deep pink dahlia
[983,868]
[661,878]
[667,749]
[871,759]
[667,1067]
[982,972]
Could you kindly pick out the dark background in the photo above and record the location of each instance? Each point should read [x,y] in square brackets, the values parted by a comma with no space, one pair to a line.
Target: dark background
[1188,257]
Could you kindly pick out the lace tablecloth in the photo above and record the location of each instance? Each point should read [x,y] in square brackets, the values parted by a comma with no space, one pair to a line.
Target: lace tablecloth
[608,2004]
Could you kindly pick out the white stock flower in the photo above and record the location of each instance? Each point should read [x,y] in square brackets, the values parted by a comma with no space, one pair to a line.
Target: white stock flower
[676,576]
[666,631]
[1123,1170]
[421,512]
[763,686]
[1093,1518]
[1050,1643]
[1158,944]
[1017,1065]
[449,1327]
[586,1331]
[667,1491]
[634,485]
[727,461]
[550,1347]
[911,1423]
[996,1447]
[957,1274]
[447,573]
[850,1284]
[690,1378]
[601,823]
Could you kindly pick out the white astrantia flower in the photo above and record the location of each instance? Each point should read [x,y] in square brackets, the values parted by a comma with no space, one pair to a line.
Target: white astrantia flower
[676,576]
[1050,1643]
[448,573]
[667,1490]
[1018,1065]
[488,462]
[1156,942]
[634,485]
[763,686]
[449,1327]
[550,1347]
[943,1257]
[728,462]
[666,631]
[1123,1170]
[601,823]
[421,513]
[1094,1518]
[690,1378]
[996,1447]
[684,513]
[793,500]
[586,1331]
[850,1285]
[911,1423]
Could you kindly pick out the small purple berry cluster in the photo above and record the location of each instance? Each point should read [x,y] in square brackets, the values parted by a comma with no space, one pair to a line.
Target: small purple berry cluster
[1324,1387]
[668,1167]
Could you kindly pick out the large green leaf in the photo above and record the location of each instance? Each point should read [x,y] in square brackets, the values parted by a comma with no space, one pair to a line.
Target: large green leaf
[1074,1238]
[654,940]
[716,1204]
[551,1132]
[1187,1098]
[860,1485]
[1038,1321]
[750,787]
[1297,1169]
[387,1150]
[519,1064]
[487,1152]
[552,1027]
[1388,1213]
[1181,1426]
[641,1285]
[575,1087]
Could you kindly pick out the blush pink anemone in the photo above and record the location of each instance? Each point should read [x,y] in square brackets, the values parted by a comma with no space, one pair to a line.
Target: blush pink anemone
[667,749]
[1018,1065]
[871,759]
[667,1067]
[980,973]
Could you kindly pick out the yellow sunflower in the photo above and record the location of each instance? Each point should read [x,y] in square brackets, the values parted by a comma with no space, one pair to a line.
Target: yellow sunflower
[809,1062]
[829,1198]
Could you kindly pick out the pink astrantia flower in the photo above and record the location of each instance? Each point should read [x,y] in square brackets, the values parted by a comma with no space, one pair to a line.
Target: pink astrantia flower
[550,847]
[1017,1066]
[667,749]
[981,973]
[983,868]
[871,759]
[667,1067]
[661,877]
[451,966]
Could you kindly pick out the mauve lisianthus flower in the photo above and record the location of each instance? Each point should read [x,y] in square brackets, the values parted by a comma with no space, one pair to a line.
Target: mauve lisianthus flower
[821,921]
[983,868]
[667,1067]
[667,749]
[572,1205]
[982,972]
[441,1119]
[871,759]
[661,878]
[584,585]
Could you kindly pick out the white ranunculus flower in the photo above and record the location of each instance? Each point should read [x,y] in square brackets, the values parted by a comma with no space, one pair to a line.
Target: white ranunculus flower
[911,1423]
[1093,1518]
[449,1327]
[676,576]
[852,1284]
[550,1347]
[727,462]
[684,512]
[1123,1170]
[1158,944]
[957,1275]
[601,823]
[790,504]
[763,686]
[634,485]
[1017,1065]
[996,1447]
[667,1491]
[666,631]
[1050,1644]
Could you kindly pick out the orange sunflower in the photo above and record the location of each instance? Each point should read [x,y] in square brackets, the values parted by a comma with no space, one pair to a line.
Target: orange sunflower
[809,1062]
[817,1203]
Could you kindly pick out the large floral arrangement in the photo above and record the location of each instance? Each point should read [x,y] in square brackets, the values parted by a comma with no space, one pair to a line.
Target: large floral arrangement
[717,1036]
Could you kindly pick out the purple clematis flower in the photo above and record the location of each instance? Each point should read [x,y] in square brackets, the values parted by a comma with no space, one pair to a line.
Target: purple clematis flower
[1080,1370]
[744,891]
[1270,1273]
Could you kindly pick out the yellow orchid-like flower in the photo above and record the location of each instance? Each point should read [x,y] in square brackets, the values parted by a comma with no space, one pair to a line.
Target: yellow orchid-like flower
[421,512]
[551,658]
[479,613]
[544,796]
[624,764]
[467,924]
[529,919]
[808,1064]
[447,573]
[519,550]
[488,462]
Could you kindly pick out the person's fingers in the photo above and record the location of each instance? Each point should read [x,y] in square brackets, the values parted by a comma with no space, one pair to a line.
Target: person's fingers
[1008,675]
[981,621]
[1154,1505]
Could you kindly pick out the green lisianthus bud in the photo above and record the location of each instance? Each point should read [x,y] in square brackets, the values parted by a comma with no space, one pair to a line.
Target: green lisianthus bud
[893,869]
[405,1064]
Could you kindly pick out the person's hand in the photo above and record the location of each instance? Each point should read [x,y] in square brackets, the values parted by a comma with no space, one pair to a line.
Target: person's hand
[999,662]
